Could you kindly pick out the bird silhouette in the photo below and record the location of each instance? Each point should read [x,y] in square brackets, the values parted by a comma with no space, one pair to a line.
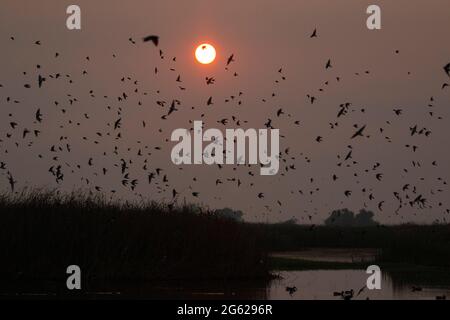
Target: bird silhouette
[359,132]
[11,181]
[152,38]
[447,69]
[230,59]
[41,80]
[38,115]
[291,290]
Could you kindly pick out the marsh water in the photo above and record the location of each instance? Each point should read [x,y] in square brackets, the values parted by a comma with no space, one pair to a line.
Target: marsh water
[407,283]
[347,255]
[322,284]
[399,283]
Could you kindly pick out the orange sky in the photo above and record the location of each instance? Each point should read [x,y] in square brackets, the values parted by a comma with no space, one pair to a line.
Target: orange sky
[264,36]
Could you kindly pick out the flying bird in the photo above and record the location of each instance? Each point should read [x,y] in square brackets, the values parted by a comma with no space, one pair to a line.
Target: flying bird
[230,59]
[38,115]
[447,69]
[359,132]
[152,38]
[41,79]
[11,180]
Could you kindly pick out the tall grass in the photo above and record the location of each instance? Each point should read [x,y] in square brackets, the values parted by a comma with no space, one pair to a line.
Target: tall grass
[42,232]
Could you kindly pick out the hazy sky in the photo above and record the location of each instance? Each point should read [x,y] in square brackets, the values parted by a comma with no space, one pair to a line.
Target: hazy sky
[264,36]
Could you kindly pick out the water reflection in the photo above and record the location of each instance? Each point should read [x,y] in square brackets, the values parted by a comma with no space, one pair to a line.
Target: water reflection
[346,255]
[321,284]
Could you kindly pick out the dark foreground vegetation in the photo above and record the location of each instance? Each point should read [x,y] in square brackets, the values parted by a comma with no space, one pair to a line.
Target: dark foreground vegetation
[43,233]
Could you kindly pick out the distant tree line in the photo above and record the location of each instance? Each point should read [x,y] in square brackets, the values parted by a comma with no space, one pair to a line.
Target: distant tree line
[337,218]
[228,213]
[347,218]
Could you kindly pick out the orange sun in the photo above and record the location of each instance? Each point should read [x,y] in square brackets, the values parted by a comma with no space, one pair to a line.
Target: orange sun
[205,53]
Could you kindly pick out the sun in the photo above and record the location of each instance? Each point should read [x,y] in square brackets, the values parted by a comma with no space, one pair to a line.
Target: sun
[205,53]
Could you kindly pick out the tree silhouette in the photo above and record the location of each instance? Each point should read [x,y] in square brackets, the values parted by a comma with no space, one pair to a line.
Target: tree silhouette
[346,218]
[230,214]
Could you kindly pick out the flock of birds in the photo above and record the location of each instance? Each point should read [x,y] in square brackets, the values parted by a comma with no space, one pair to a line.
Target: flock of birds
[133,168]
